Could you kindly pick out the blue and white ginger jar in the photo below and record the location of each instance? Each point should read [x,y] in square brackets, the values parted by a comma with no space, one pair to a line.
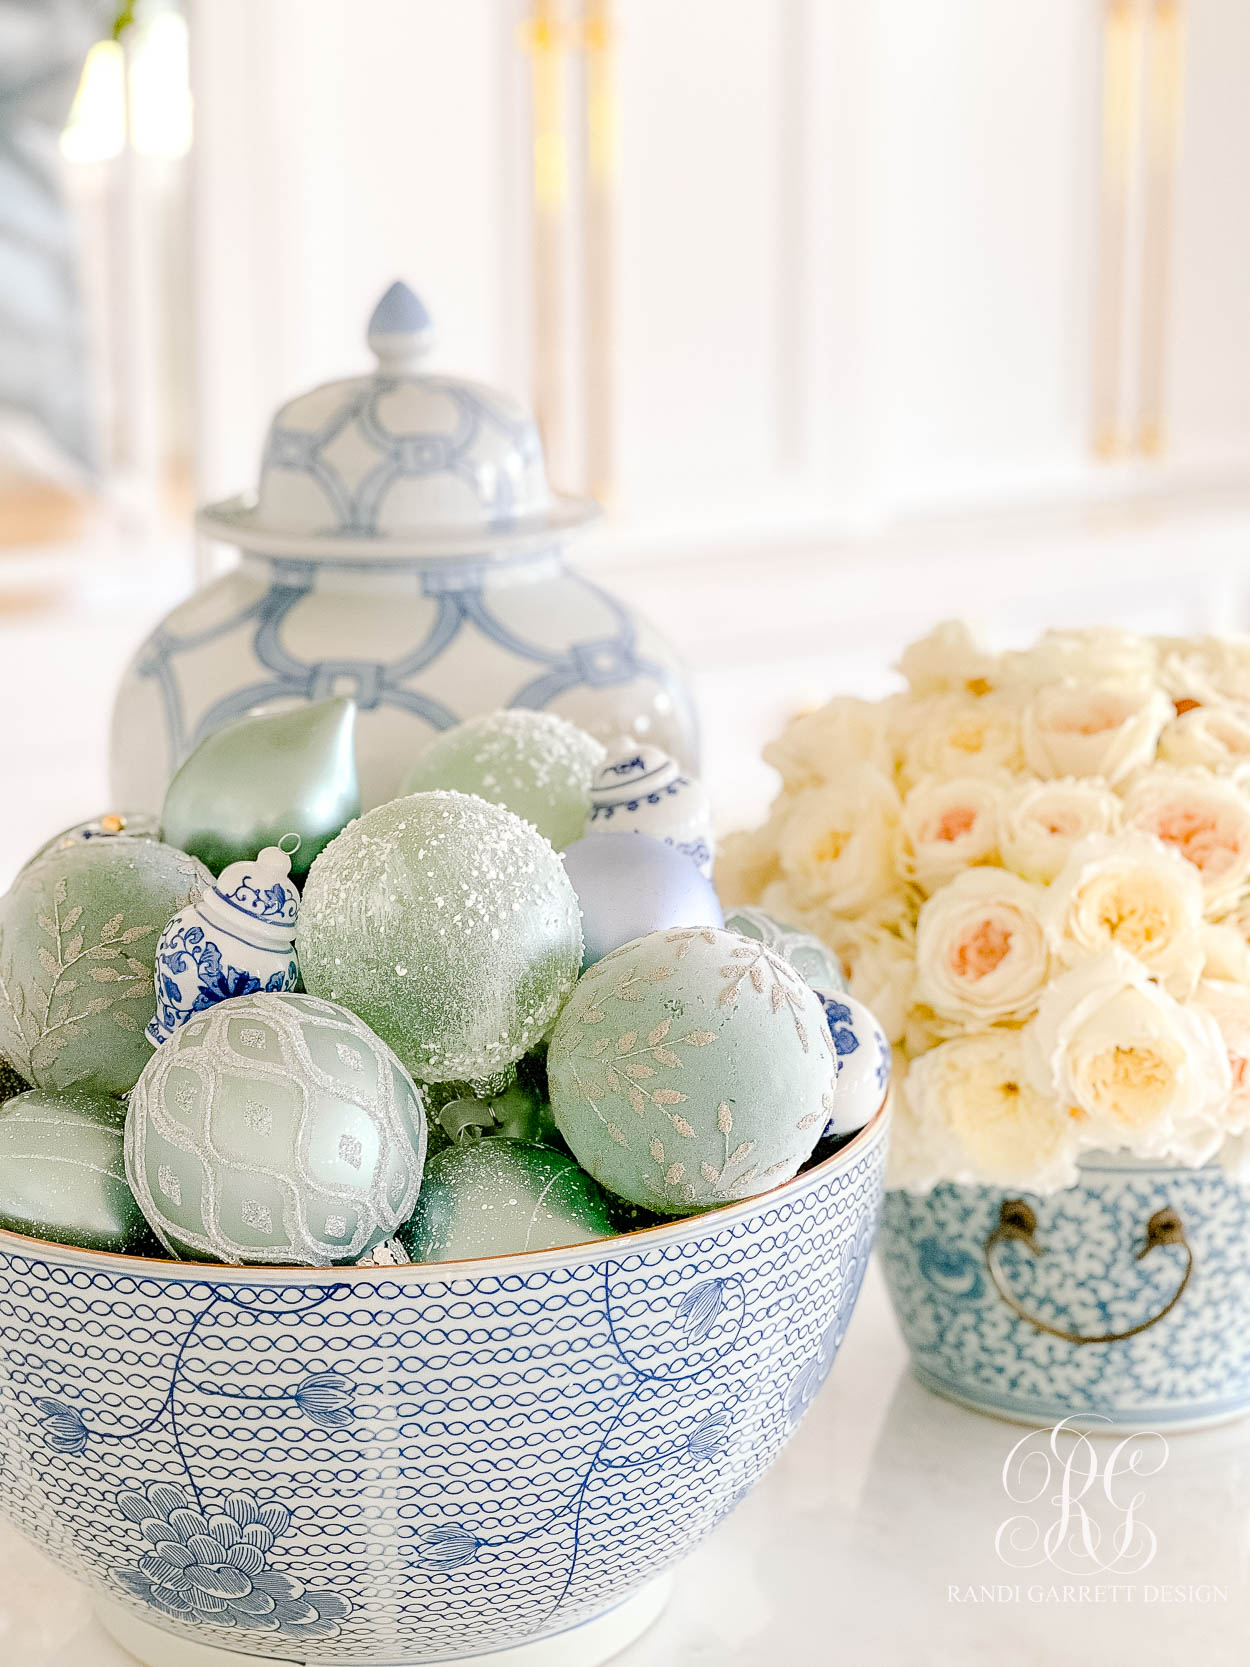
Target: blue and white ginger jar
[1122,1303]
[405,549]
[234,940]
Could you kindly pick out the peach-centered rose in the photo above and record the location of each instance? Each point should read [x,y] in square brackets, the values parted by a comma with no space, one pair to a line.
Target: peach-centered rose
[1093,729]
[1129,890]
[947,826]
[1203,817]
[981,952]
[1043,820]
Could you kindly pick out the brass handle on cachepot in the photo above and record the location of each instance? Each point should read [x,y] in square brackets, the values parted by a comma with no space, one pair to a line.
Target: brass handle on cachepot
[1018,1220]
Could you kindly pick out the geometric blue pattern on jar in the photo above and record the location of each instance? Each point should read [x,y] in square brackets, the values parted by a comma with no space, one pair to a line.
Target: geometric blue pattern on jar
[1191,1366]
[413,1464]
[405,550]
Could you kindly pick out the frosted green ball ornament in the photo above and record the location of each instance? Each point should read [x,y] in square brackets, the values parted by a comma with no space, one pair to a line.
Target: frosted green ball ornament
[275,1128]
[499,1197]
[690,1068]
[536,765]
[78,937]
[63,1172]
[265,776]
[449,926]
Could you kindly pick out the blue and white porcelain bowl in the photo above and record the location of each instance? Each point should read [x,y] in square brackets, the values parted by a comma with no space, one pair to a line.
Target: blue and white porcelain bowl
[404,1465]
[1121,1303]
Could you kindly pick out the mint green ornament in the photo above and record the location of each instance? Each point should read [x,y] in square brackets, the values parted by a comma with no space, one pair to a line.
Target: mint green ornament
[537,765]
[690,1068]
[127,824]
[275,1128]
[263,777]
[78,936]
[63,1172]
[449,926]
[499,1197]
[813,960]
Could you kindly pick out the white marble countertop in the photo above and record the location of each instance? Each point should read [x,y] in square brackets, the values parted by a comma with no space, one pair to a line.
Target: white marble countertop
[873,1539]
[872,1542]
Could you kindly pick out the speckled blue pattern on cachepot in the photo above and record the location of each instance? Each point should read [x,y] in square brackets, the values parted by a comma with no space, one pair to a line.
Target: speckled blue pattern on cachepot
[410,1465]
[1192,1366]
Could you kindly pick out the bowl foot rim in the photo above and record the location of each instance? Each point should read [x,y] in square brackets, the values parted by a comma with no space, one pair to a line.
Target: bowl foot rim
[1045,1415]
[588,1644]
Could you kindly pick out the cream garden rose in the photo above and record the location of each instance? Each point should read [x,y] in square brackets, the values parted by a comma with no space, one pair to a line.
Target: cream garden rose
[1042,820]
[1034,865]
[1128,890]
[817,746]
[839,844]
[1108,1043]
[988,1123]
[1103,729]
[1203,817]
[956,735]
[948,825]
[1216,737]
[981,947]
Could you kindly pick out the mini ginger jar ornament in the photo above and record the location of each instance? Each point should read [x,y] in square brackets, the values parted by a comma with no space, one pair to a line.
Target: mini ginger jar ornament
[639,789]
[235,940]
[404,549]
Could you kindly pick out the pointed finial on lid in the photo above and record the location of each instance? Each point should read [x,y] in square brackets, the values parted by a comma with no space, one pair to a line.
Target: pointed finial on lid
[400,331]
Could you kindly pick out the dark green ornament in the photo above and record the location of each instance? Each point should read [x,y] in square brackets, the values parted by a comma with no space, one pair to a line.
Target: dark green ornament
[261,778]
[498,1197]
[63,1172]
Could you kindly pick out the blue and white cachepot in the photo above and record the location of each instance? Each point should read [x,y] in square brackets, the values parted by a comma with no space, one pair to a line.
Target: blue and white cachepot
[418,1464]
[1120,1303]
[231,941]
[404,549]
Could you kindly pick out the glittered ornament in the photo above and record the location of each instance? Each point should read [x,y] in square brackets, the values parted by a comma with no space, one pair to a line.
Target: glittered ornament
[449,925]
[63,1172]
[864,1061]
[538,766]
[131,824]
[813,960]
[691,1068]
[275,1128]
[265,776]
[78,936]
[642,790]
[630,884]
[234,939]
[498,1197]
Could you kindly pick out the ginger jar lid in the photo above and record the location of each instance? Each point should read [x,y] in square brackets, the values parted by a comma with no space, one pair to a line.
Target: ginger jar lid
[400,462]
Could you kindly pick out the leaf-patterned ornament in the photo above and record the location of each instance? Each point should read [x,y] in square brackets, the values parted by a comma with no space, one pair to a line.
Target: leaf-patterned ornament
[691,1068]
[78,936]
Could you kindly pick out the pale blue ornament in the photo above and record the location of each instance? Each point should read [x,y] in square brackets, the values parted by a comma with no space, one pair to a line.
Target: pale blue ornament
[630,884]
[864,1062]
[275,1129]
[812,959]
[640,789]
[691,1068]
[234,940]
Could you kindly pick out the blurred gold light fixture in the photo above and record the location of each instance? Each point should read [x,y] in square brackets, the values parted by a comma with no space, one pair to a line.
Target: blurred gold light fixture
[1142,97]
[573,143]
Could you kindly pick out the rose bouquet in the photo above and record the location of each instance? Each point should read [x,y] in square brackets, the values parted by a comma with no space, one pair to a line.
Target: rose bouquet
[1035,867]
